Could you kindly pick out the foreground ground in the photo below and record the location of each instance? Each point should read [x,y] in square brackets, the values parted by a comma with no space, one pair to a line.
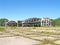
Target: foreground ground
[16,41]
[45,35]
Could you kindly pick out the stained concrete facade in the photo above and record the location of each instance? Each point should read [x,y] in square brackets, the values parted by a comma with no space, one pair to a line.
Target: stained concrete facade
[45,22]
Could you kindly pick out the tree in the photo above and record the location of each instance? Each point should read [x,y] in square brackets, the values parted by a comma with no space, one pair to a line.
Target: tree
[53,22]
[2,21]
[56,22]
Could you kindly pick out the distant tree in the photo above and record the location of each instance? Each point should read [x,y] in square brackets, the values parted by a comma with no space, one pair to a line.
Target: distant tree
[53,23]
[56,22]
[2,21]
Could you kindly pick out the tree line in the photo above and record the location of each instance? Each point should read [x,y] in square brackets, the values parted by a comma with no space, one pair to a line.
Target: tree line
[54,22]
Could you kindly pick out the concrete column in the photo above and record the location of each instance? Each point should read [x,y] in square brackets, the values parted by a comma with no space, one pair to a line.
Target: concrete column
[17,23]
[5,23]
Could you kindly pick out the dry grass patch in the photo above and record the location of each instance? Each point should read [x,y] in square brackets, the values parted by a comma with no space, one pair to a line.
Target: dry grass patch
[47,41]
[2,29]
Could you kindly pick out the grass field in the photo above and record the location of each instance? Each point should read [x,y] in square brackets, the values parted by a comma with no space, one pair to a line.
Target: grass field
[46,35]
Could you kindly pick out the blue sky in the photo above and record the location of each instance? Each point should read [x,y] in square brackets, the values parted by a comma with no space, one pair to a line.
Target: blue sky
[23,9]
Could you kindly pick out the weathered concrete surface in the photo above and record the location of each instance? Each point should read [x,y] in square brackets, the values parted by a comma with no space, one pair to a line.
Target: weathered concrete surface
[17,41]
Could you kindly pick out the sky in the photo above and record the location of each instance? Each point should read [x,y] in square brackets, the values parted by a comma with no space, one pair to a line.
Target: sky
[23,9]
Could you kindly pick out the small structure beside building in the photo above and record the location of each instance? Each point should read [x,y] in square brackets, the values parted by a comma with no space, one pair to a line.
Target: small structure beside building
[11,23]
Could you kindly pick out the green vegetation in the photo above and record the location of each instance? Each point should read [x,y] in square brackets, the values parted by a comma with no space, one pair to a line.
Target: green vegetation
[2,29]
[56,22]
[45,35]
[47,41]
[2,21]
[47,44]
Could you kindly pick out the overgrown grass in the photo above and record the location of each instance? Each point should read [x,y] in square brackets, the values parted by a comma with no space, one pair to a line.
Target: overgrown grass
[47,41]
[35,31]
[2,29]
[13,27]
[44,44]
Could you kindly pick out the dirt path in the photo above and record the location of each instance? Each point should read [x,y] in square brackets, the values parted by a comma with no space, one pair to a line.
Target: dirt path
[16,41]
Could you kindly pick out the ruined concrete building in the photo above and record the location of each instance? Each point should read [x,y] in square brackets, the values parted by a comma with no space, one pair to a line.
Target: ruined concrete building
[31,22]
